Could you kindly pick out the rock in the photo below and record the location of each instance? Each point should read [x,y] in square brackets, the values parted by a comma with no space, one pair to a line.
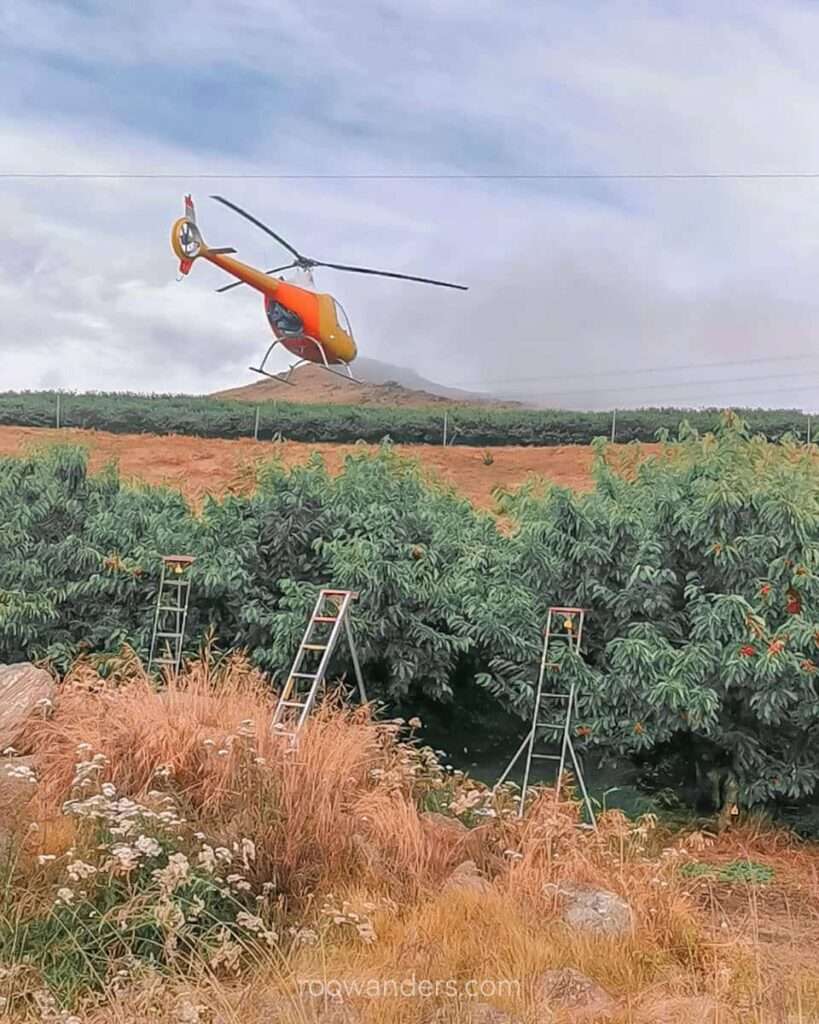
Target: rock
[444,823]
[24,690]
[483,1013]
[466,877]
[685,1010]
[569,990]
[595,910]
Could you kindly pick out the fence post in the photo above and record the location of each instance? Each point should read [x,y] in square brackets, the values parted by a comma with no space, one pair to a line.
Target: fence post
[445,418]
[58,410]
[256,426]
[613,423]
[808,429]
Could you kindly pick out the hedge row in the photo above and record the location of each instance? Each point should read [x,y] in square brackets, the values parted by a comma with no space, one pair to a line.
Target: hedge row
[470,425]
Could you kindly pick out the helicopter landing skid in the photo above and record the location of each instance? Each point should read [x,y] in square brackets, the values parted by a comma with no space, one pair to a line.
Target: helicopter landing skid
[284,377]
[274,376]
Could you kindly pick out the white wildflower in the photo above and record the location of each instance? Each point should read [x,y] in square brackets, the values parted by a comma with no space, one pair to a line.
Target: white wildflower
[125,857]
[77,870]
[148,846]
[249,921]
[65,896]
[177,870]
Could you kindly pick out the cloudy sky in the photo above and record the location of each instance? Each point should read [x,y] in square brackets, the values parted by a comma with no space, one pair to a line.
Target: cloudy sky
[425,137]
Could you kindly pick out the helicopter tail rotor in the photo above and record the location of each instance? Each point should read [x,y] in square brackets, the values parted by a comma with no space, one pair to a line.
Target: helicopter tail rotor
[186,239]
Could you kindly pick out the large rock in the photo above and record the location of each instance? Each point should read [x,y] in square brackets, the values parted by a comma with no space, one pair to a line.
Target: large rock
[24,691]
[594,910]
[466,877]
[573,993]
[685,1010]
[443,823]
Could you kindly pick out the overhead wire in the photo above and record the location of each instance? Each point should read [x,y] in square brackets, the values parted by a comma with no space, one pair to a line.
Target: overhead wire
[556,176]
[648,369]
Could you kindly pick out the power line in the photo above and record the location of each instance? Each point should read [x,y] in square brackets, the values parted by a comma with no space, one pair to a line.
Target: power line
[699,383]
[198,176]
[641,370]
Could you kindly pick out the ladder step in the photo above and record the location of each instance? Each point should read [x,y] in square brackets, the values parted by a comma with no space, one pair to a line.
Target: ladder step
[551,725]
[561,696]
[324,618]
[171,608]
[547,757]
[291,704]
[314,647]
[303,675]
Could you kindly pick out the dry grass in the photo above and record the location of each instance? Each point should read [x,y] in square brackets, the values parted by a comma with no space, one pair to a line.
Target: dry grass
[337,828]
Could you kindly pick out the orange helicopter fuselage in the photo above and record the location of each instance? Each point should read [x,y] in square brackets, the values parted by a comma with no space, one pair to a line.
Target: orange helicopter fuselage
[319,313]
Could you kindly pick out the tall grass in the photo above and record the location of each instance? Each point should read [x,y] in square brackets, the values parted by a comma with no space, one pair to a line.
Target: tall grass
[331,871]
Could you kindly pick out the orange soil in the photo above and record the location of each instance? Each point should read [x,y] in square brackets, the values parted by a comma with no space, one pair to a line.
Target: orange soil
[198,466]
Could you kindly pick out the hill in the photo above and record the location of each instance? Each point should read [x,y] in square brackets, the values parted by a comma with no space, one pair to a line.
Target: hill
[382,384]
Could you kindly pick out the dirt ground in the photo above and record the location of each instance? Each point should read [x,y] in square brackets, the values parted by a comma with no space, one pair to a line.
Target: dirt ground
[197,466]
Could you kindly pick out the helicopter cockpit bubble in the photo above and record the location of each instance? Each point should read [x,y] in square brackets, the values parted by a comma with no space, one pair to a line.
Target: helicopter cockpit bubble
[341,317]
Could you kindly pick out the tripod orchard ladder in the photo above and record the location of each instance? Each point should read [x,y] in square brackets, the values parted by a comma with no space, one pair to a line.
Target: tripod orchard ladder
[327,622]
[549,705]
[171,612]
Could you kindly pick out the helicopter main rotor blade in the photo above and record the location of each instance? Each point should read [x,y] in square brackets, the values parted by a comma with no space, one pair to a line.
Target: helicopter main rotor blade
[387,273]
[235,284]
[258,223]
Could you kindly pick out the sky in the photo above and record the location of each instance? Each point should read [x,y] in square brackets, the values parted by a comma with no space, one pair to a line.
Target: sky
[491,144]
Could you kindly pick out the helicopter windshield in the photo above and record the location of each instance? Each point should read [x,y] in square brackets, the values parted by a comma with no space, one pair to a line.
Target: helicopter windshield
[341,317]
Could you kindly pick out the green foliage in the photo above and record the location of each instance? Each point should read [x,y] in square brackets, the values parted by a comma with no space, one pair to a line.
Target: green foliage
[699,569]
[474,425]
[745,872]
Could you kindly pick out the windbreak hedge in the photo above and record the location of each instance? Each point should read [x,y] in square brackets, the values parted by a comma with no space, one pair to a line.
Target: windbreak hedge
[699,568]
[471,425]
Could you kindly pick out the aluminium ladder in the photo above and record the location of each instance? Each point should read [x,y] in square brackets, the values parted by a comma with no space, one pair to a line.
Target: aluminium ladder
[329,619]
[171,613]
[554,711]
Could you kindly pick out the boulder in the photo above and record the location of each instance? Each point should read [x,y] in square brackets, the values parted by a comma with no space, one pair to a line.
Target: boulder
[587,909]
[466,877]
[24,690]
[443,823]
[572,992]
[685,1010]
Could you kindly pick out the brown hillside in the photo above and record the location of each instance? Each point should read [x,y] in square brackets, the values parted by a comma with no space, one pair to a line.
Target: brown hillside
[314,385]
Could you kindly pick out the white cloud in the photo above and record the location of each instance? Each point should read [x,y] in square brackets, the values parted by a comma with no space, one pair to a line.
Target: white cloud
[566,277]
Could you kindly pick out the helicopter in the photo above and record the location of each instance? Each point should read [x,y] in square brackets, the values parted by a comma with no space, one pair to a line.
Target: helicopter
[311,325]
